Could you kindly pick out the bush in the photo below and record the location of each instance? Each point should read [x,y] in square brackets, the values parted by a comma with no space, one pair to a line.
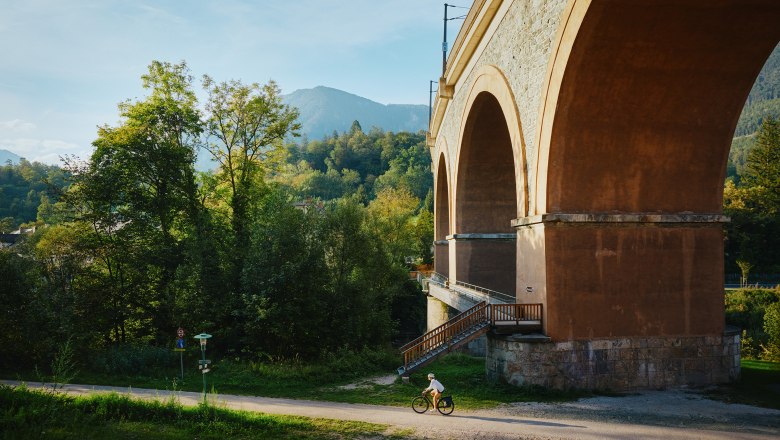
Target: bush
[747,308]
[771,351]
[134,360]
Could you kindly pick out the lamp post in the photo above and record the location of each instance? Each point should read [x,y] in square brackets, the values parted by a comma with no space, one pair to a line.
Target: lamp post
[203,364]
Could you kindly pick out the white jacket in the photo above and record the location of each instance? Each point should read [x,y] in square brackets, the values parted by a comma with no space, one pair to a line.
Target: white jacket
[435,384]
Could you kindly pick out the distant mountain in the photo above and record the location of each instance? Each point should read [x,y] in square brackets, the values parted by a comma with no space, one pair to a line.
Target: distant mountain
[325,110]
[6,155]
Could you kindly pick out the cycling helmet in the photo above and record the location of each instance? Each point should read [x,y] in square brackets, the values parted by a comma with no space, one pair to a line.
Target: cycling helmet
[431,376]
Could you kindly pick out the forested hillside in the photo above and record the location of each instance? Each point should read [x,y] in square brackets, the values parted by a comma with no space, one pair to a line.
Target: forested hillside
[356,162]
[27,192]
[763,102]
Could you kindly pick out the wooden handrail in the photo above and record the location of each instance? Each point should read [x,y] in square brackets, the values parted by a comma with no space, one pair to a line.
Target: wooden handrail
[444,333]
[469,319]
[441,327]
[515,312]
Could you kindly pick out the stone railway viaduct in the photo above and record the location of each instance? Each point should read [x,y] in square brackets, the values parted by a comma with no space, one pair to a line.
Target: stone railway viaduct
[579,152]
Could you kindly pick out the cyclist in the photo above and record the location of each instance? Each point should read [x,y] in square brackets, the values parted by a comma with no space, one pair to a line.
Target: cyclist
[436,388]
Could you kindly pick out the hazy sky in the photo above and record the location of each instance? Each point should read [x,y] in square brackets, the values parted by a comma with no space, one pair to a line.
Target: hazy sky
[65,64]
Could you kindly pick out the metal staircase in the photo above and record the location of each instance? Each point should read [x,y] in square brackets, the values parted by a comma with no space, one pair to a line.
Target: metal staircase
[466,326]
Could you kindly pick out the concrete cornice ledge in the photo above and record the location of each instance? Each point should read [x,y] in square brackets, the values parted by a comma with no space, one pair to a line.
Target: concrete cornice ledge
[491,236]
[620,218]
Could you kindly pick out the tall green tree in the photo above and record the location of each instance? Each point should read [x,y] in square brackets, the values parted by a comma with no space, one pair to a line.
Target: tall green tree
[246,125]
[283,280]
[762,168]
[138,193]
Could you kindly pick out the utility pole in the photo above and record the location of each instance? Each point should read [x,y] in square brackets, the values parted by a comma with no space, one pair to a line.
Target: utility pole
[444,42]
[430,102]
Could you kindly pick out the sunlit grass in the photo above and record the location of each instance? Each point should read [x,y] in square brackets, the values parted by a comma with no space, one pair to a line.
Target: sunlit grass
[464,377]
[38,414]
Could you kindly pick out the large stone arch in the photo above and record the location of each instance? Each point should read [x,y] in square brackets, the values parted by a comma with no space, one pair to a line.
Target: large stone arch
[641,101]
[489,79]
[490,187]
[637,114]
[441,212]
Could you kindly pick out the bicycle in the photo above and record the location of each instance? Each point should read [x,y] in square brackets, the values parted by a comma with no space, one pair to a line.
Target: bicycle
[420,404]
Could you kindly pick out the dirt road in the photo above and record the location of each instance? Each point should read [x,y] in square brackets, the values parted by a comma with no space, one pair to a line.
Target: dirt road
[653,415]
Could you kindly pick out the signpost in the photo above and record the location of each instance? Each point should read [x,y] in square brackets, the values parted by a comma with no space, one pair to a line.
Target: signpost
[203,364]
[180,349]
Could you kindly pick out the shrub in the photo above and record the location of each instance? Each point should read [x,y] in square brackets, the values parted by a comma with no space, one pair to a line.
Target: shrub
[134,360]
[771,350]
[746,308]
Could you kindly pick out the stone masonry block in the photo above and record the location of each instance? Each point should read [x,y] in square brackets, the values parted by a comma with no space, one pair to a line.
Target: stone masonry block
[655,342]
[672,342]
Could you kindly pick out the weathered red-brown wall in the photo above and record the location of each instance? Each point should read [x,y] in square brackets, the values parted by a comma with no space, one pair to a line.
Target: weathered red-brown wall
[634,280]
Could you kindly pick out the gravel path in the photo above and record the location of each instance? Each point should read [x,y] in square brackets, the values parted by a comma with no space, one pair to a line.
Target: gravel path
[671,408]
[652,415]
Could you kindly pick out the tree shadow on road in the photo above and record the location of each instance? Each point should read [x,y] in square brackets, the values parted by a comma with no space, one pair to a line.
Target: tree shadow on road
[520,421]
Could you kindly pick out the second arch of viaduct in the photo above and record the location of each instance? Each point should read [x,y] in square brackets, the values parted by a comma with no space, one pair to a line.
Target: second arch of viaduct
[579,152]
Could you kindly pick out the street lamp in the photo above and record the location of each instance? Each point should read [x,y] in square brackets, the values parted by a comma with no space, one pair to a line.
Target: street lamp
[203,364]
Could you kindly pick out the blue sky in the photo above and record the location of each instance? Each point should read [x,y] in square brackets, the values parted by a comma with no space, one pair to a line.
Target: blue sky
[65,64]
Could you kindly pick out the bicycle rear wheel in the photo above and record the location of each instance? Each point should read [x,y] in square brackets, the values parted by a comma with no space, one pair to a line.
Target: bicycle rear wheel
[420,404]
[448,409]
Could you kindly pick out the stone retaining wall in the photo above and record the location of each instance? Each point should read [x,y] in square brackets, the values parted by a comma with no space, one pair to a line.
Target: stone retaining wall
[617,364]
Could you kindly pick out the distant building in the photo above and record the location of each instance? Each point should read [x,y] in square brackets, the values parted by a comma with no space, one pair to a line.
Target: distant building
[308,204]
[10,239]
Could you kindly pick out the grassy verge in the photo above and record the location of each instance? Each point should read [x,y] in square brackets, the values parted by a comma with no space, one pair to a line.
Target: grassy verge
[463,376]
[759,385]
[35,414]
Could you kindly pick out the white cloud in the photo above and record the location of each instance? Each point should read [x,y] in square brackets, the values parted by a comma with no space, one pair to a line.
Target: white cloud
[43,150]
[16,125]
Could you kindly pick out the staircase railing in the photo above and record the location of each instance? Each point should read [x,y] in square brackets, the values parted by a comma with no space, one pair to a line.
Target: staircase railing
[443,334]
[501,313]
[491,294]
[458,329]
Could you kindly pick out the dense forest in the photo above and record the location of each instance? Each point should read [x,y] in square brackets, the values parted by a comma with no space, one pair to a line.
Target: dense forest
[27,191]
[763,102]
[290,250]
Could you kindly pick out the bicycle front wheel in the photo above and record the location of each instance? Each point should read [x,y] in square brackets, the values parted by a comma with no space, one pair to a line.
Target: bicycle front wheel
[420,404]
[446,410]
